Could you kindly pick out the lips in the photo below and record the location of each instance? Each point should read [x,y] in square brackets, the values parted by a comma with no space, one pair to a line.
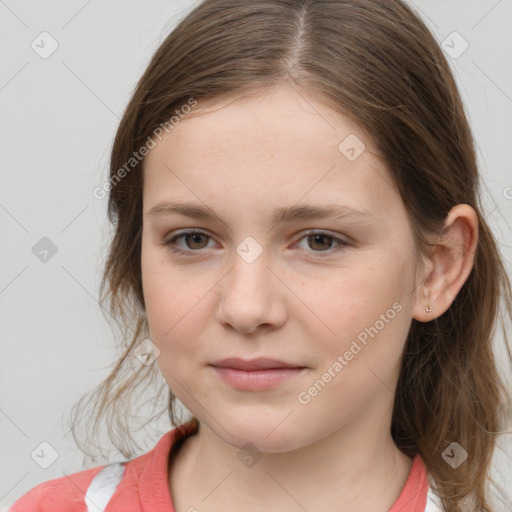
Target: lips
[253,364]
[256,374]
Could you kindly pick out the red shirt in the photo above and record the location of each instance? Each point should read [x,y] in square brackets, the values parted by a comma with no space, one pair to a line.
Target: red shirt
[144,486]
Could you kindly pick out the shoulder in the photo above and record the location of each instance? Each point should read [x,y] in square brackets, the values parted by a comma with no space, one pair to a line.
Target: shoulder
[64,494]
[93,488]
[90,489]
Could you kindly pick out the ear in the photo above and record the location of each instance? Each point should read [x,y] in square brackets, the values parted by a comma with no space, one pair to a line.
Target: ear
[449,263]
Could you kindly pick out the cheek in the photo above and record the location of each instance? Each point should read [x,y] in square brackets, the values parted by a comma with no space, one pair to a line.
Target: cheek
[177,320]
[177,315]
[169,313]
[360,360]
[359,294]
[364,312]
[173,310]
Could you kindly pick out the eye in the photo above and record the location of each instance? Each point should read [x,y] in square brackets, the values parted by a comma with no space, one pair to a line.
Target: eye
[322,240]
[195,240]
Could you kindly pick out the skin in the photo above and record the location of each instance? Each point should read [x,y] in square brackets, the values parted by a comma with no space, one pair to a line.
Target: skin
[242,159]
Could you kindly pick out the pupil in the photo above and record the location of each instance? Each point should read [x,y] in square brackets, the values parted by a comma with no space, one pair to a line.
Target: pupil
[319,237]
[195,237]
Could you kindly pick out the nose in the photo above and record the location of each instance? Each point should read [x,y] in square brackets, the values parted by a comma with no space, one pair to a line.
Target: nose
[252,296]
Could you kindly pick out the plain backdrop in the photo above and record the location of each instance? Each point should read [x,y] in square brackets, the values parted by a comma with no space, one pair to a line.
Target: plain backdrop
[58,118]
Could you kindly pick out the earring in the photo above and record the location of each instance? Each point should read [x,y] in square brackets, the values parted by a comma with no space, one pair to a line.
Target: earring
[428,309]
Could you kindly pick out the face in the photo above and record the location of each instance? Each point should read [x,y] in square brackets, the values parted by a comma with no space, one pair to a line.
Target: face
[264,275]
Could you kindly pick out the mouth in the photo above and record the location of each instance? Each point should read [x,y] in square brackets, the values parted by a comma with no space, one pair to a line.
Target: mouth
[261,363]
[256,374]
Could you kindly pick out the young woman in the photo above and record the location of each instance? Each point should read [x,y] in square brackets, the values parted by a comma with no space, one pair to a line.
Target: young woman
[299,241]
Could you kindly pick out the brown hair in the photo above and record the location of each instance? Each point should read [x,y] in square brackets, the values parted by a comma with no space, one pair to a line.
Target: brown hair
[377,63]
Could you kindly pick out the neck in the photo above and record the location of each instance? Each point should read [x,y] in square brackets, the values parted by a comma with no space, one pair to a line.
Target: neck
[356,468]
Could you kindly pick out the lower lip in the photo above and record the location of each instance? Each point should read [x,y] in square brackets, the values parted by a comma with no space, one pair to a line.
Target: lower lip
[256,379]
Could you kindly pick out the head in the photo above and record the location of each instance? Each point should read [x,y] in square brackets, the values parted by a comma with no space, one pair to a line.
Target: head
[249,283]
[279,117]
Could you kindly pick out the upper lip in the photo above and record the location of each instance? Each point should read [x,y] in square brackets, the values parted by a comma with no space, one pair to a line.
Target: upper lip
[260,363]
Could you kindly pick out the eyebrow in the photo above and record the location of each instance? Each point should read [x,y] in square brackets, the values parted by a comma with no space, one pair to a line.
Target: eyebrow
[279,215]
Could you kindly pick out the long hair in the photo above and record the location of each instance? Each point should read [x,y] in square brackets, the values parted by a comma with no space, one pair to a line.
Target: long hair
[378,64]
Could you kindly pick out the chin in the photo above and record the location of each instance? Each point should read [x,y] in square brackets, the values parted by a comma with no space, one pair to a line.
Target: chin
[268,436]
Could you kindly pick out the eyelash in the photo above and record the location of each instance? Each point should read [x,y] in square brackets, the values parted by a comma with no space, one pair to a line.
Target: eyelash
[169,242]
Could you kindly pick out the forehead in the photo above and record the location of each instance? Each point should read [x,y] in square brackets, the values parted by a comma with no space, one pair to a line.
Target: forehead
[280,114]
[277,146]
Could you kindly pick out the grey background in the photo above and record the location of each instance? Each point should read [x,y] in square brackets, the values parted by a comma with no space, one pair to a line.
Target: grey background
[58,118]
